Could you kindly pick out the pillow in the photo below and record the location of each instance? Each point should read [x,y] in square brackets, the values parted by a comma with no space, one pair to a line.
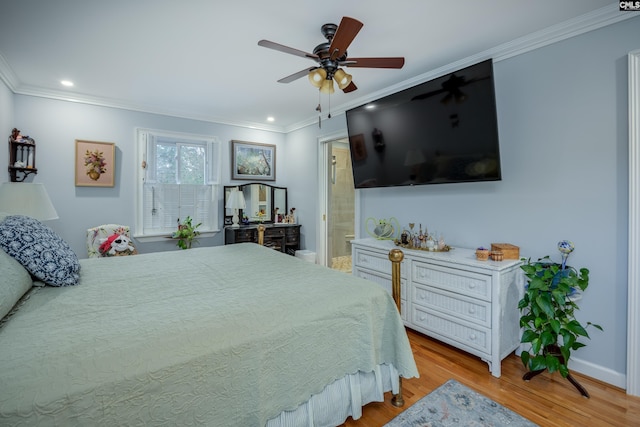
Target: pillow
[15,282]
[40,250]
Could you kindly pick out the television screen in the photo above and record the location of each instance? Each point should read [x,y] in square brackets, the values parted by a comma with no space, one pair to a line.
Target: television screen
[441,131]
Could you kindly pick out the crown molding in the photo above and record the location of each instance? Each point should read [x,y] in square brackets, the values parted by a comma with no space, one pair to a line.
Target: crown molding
[582,24]
[599,18]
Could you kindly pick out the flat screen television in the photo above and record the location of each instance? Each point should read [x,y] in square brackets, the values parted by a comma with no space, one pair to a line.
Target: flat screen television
[441,131]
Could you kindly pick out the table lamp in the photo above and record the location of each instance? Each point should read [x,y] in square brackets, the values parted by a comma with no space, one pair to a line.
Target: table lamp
[235,202]
[29,199]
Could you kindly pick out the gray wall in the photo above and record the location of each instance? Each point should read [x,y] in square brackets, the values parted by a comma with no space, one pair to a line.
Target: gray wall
[6,124]
[55,125]
[563,134]
[563,120]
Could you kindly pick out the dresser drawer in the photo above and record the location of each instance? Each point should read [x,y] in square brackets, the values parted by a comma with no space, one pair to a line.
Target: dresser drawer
[454,280]
[245,236]
[473,310]
[376,261]
[477,338]
[274,232]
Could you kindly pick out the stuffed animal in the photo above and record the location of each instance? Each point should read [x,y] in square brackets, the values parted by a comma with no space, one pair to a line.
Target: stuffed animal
[116,245]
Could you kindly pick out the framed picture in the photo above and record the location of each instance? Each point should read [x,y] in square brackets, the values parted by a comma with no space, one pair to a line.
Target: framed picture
[253,161]
[95,164]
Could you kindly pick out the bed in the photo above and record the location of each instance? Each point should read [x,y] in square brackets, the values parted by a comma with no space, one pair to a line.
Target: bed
[236,335]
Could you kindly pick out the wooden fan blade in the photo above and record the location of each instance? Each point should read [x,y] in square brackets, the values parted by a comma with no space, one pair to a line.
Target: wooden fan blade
[287,49]
[393,62]
[296,76]
[346,32]
[350,87]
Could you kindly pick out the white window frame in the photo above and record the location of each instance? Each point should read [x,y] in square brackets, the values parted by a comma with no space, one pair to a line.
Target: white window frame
[213,173]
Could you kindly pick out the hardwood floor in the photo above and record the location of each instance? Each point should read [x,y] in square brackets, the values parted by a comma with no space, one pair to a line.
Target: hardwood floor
[547,400]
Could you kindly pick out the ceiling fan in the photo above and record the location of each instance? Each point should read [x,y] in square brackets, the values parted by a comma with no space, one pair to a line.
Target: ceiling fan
[331,56]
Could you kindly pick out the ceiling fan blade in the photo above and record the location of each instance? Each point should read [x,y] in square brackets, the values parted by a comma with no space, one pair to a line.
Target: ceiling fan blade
[346,32]
[393,62]
[350,88]
[296,76]
[286,49]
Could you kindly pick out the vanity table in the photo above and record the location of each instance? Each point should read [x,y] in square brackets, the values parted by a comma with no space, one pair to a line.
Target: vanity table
[263,203]
[282,237]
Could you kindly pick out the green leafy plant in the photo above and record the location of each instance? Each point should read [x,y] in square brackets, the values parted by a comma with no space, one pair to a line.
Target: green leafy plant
[187,233]
[548,314]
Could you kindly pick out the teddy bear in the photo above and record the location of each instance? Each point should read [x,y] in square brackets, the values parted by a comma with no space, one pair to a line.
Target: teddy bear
[116,245]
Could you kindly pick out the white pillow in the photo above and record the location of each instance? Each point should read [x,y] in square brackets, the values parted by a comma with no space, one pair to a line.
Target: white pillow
[16,281]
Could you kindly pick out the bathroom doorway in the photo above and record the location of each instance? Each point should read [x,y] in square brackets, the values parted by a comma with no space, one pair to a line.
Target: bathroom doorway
[340,204]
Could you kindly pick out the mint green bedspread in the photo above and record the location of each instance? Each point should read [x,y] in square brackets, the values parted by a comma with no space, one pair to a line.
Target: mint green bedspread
[223,336]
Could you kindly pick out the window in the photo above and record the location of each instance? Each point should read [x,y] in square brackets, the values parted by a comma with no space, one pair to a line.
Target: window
[179,177]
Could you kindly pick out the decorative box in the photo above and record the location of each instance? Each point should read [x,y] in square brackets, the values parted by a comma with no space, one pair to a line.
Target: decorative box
[508,250]
[482,254]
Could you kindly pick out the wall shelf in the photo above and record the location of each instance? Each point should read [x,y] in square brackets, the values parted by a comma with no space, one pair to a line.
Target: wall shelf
[22,156]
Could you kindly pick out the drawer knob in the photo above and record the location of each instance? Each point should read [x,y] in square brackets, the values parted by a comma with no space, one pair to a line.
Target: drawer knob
[472,310]
[472,285]
[472,337]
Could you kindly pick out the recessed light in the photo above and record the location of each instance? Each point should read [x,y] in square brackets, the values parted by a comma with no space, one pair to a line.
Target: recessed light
[370,106]
[67,83]
[271,119]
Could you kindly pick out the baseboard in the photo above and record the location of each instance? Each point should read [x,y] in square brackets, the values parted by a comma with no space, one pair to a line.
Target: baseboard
[592,370]
[598,372]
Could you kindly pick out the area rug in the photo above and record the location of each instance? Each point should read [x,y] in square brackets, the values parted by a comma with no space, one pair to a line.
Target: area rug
[453,404]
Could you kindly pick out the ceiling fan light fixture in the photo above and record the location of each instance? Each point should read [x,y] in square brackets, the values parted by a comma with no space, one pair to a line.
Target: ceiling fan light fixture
[327,86]
[317,77]
[342,78]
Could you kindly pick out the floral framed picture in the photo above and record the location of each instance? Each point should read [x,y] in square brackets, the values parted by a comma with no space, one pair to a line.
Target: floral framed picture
[253,161]
[95,164]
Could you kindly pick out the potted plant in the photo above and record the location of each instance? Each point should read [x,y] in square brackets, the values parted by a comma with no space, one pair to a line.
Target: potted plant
[187,233]
[548,309]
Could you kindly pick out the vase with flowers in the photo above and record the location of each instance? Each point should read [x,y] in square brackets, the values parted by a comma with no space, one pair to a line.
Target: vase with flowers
[95,163]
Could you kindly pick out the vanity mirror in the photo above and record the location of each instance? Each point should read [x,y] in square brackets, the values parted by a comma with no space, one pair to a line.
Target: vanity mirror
[259,198]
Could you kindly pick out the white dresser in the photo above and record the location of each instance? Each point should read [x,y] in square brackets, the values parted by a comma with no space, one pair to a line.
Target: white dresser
[451,296]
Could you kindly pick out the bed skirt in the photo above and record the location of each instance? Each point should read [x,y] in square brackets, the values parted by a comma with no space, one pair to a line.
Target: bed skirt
[341,399]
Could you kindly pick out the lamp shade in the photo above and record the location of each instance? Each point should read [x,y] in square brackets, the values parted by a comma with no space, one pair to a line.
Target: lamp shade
[317,76]
[327,86]
[342,78]
[236,200]
[30,199]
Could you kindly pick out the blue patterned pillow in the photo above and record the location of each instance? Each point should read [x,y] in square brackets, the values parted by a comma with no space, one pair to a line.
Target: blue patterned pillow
[40,250]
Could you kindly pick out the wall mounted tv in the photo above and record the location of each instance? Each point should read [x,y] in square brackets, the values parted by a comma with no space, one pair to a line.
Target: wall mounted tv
[441,131]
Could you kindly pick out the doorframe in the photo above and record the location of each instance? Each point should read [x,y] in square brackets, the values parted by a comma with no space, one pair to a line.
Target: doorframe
[322,233]
[633,300]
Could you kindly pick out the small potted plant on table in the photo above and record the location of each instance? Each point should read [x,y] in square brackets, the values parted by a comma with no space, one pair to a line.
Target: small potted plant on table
[548,319]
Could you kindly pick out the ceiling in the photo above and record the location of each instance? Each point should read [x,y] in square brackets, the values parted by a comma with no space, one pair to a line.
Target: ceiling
[200,59]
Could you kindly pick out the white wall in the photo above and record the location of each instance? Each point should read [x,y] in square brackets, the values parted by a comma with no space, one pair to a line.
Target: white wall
[55,125]
[563,138]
